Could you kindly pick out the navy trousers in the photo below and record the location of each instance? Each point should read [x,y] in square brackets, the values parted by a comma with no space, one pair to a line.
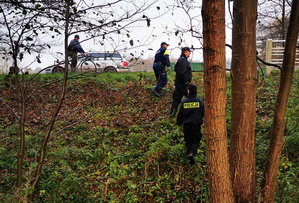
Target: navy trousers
[192,137]
[161,76]
[178,93]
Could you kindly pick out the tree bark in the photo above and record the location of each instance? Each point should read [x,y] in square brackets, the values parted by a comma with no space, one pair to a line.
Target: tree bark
[278,126]
[213,14]
[244,78]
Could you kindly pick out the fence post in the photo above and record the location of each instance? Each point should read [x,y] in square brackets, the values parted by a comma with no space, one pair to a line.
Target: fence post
[268,55]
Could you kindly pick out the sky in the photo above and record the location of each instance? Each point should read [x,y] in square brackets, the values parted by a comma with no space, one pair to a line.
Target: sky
[148,45]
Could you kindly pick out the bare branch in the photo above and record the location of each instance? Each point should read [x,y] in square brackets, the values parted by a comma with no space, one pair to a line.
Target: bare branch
[15,113]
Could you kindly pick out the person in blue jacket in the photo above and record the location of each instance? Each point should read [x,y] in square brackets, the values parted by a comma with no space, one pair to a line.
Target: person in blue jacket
[73,49]
[191,115]
[161,61]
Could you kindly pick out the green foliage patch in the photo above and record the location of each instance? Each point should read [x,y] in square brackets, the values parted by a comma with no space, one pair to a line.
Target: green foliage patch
[114,142]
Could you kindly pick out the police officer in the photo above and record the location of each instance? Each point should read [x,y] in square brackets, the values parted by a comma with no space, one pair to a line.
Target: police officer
[161,60]
[191,115]
[182,79]
[73,49]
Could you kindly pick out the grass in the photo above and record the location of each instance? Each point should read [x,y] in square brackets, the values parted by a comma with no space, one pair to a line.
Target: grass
[127,150]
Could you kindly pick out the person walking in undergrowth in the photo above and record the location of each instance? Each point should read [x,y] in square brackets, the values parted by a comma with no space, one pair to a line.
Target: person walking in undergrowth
[182,79]
[191,115]
[161,60]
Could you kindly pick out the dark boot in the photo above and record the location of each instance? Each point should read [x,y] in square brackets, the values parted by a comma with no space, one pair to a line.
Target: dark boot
[172,113]
[191,158]
[156,93]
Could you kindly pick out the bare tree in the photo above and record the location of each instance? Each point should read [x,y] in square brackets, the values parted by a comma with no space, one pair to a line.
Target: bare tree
[278,126]
[273,18]
[55,113]
[213,15]
[21,27]
[192,23]
[22,36]
[22,24]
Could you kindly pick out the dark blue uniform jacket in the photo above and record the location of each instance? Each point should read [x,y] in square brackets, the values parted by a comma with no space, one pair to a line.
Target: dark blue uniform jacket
[191,110]
[183,70]
[162,56]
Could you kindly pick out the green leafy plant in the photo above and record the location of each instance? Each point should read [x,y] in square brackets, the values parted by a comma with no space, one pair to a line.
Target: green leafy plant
[128,150]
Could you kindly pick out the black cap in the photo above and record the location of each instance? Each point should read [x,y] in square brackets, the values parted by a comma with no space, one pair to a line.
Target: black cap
[186,49]
[164,43]
[192,89]
[77,36]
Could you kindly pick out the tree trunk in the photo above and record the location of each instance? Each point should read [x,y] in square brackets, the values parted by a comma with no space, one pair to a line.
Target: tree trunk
[21,136]
[213,14]
[21,88]
[278,126]
[244,78]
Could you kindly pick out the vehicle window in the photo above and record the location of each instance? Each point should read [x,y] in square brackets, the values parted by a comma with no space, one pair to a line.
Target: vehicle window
[102,55]
[116,56]
[95,55]
[113,56]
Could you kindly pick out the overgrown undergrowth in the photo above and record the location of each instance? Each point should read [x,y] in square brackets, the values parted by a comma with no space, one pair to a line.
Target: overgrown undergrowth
[114,142]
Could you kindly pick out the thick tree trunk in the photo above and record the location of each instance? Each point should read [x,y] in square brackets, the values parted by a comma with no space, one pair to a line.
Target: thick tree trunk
[278,126]
[213,14]
[244,77]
